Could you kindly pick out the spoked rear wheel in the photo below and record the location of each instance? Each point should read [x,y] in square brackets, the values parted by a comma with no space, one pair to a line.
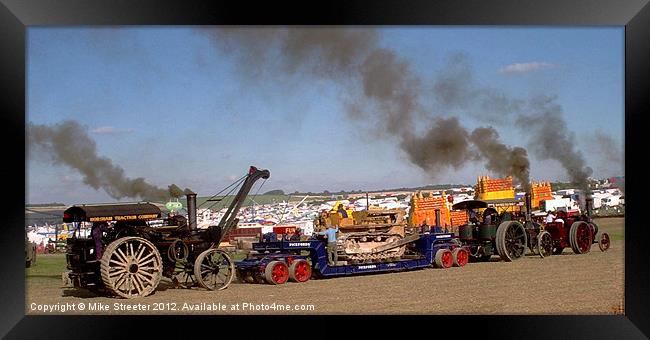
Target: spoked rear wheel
[213,269]
[511,241]
[131,267]
[580,237]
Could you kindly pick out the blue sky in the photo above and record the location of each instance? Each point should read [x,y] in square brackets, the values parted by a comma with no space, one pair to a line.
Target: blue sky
[165,104]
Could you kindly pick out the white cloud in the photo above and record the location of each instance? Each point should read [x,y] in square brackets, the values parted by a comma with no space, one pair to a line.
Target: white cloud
[525,67]
[109,130]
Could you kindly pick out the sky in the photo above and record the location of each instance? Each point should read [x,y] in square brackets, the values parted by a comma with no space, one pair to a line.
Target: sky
[338,108]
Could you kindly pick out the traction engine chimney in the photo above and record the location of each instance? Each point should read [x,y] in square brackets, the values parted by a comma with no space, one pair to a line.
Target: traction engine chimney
[529,206]
[191,210]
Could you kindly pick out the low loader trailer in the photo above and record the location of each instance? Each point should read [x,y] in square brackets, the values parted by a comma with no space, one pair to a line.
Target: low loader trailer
[280,261]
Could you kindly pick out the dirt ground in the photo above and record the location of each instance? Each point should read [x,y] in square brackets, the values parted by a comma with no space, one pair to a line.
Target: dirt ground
[591,283]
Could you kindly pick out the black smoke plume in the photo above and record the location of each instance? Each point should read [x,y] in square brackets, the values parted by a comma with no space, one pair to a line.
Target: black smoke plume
[387,83]
[68,143]
[550,138]
[502,159]
[390,94]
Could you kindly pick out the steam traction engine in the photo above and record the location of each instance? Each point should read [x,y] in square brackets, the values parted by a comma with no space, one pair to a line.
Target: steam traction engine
[577,231]
[128,257]
[508,233]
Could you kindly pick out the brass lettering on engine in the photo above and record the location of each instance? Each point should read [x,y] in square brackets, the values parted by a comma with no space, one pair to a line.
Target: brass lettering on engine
[126,217]
[101,219]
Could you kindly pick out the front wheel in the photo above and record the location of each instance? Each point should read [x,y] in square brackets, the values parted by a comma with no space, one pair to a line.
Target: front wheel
[213,269]
[544,244]
[603,242]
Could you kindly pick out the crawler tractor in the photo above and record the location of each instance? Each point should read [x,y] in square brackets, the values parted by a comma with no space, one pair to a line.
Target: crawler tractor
[368,236]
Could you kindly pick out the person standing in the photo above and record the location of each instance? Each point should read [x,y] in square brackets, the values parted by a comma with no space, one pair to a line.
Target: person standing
[97,232]
[344,214]
[550,218]
[295,236]
[332,256]
[473,217]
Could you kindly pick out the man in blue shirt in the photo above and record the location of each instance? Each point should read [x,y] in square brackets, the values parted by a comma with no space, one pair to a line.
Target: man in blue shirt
[330,232]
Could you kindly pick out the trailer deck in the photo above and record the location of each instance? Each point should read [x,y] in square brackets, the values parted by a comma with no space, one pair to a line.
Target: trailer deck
[428,250]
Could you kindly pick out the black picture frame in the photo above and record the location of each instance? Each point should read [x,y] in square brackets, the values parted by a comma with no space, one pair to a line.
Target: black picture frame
[16,15]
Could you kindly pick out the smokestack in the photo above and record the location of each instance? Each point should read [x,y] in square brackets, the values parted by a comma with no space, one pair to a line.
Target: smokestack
[529,206]
[437,217]
[191,209]
[589,203]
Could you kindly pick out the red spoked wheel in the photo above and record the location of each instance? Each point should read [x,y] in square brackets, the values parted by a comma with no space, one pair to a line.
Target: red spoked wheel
[300,271]
[444,258]
[580,237]
[276,273]
[460,256]
[603,242]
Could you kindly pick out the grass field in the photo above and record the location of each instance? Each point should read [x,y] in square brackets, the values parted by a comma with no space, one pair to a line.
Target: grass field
[47,267]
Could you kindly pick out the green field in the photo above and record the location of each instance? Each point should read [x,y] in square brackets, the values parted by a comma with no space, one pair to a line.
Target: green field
[47,267]
[614,226]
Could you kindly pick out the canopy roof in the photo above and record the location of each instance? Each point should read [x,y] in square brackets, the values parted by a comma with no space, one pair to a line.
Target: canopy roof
[469,204]
[111,212]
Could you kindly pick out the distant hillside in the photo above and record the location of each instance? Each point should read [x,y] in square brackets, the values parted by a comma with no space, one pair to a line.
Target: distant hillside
[55,204]
[426,187]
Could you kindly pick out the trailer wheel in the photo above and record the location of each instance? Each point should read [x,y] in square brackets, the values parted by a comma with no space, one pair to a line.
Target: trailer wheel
[444,258]
[131,267]
[300,271]
[213,269]
[603,242]
[276,273]
[544,244]
[580,237]
[511,241]
[461,256]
